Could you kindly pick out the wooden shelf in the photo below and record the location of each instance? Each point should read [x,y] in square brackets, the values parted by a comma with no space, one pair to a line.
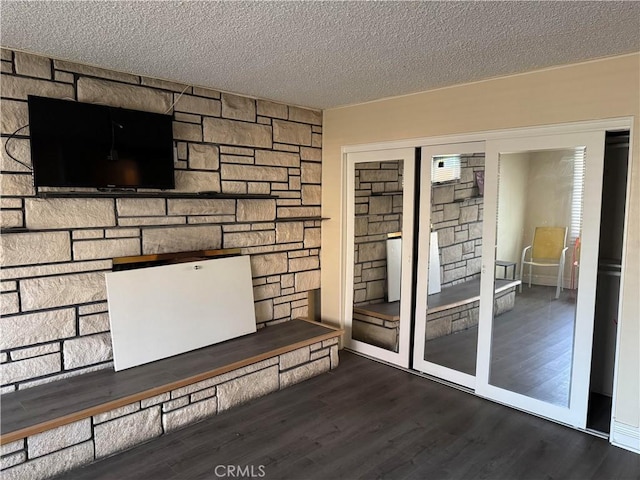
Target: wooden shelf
[299,219]
[127,194]
[387,194]
[158,259]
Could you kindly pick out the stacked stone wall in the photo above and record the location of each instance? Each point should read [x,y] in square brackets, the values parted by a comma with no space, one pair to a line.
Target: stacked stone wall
[55,251]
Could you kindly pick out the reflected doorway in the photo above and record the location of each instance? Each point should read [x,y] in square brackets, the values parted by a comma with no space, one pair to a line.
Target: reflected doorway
[605,329]
[539,225]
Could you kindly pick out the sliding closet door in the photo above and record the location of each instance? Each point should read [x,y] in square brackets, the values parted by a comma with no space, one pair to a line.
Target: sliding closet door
[378,247]
[449,261]
[542,216]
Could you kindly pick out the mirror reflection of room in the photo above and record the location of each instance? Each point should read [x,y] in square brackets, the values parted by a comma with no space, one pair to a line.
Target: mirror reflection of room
[538,241]
[377,248]
[455,261]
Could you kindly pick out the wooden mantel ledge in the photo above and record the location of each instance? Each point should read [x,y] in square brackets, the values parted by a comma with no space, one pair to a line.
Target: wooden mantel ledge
[37,409]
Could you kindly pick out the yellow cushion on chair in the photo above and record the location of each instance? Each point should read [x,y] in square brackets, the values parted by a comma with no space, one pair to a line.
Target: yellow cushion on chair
[548,242]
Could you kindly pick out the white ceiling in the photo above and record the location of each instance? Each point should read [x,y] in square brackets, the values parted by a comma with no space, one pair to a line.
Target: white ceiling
[322,54]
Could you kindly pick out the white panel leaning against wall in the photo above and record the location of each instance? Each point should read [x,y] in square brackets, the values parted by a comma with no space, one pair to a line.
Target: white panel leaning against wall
[55,251]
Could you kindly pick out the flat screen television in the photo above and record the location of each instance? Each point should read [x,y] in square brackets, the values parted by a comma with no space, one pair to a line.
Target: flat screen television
[77,144]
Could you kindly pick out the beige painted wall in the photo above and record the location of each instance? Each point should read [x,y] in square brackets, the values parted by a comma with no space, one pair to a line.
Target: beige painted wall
[535,190]
[594,90]
[550,191]
[549,196]
[512,195]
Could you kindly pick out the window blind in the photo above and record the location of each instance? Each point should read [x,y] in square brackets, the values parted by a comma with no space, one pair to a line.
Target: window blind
[578,192]
[445,168]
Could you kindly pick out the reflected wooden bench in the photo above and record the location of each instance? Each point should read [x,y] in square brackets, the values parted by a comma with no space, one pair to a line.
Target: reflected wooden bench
[455,308]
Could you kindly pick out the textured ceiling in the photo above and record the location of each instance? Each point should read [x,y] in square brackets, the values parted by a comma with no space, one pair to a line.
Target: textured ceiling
[322,54]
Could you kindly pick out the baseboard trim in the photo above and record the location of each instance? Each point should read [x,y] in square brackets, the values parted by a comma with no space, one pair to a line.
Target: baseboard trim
[625,436]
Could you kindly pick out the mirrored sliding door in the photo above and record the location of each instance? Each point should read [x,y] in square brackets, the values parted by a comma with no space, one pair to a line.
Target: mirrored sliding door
[449,261]
[379,234]
[536,341]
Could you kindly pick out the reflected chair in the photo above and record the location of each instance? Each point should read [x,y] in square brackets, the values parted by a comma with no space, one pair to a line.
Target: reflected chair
[548,249]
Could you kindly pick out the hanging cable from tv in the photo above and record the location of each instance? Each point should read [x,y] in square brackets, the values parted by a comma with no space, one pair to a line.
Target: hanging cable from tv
[6,149]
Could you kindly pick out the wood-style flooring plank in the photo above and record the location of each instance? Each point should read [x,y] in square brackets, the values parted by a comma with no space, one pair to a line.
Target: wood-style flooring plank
[368,420]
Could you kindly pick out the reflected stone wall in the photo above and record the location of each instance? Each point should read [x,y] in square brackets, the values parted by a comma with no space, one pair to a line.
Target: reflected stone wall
[456,214]
[378,212]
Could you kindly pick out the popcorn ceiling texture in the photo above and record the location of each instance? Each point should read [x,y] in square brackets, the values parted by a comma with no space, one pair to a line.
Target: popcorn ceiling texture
[323,54]
[55,316]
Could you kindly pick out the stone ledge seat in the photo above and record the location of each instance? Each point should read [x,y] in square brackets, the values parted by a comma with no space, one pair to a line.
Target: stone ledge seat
[51,428]
[378,324]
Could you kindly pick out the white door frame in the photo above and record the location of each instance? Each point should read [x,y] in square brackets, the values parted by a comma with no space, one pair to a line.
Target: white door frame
[608,124]
[424,237]
[407,155]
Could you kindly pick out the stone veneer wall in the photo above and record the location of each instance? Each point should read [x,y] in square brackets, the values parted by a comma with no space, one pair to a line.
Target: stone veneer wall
[54,451]
[456,214]
[55,319]
[378,211]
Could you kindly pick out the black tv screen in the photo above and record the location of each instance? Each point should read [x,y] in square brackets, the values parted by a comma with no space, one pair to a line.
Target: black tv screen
[77,144]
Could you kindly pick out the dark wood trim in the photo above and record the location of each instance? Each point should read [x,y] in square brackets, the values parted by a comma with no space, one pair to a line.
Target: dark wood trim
[164,257]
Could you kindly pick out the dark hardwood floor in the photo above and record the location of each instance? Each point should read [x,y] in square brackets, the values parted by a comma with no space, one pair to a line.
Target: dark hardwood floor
[532,346]
[368,420]
[457,351]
